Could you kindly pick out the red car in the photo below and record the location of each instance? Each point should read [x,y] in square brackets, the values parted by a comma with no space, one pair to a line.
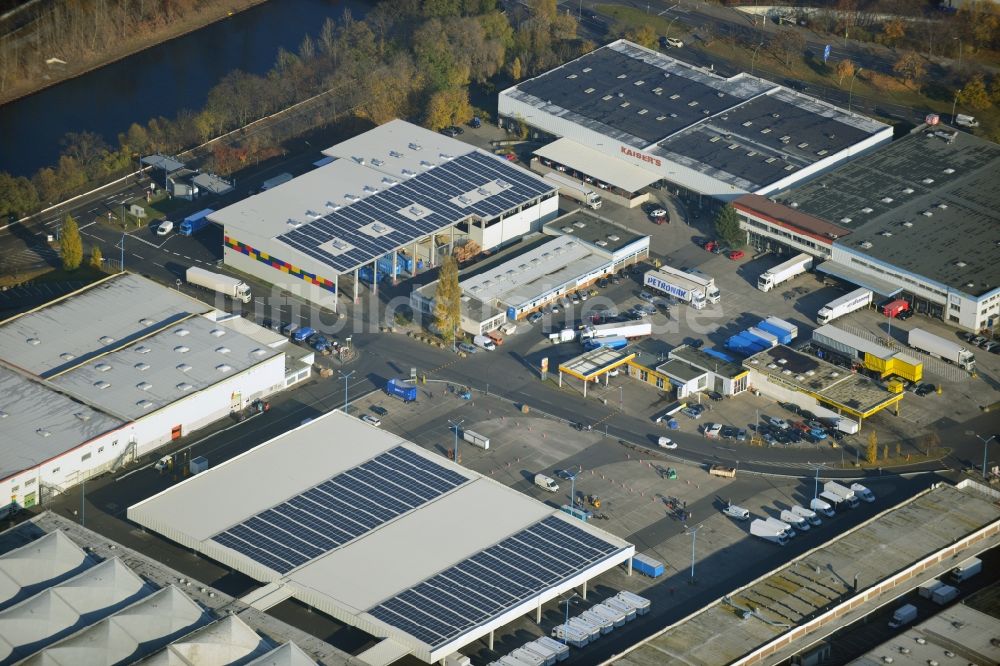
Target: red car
[711,245]
[511,157]
[736,255]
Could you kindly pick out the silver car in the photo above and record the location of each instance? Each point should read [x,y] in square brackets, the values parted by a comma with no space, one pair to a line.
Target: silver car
[467,348]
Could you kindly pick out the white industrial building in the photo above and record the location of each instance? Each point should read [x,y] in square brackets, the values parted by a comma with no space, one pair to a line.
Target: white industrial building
[697,132]
[338,505]
[582,249]
[71,596]
[919,221]
[81,394]
[390,202]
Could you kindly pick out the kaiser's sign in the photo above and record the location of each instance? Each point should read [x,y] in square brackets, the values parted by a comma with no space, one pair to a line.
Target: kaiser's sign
[641,156]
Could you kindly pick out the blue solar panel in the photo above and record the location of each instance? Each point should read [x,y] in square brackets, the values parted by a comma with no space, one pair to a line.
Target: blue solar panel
[493,581]
[340,509]
[432,190]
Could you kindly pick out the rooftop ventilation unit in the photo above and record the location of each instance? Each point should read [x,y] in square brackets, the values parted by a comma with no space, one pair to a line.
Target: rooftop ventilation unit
[822,152]
[360,160]
[184,367]
[393,153]
[790,167]
[622,76]
[614,237]
[370,189]
[720,95]
[673,115]
[785,139]
[408,173]
[942,206]
[887,200]
[927,213]
[415,146]
[589,90]
[775,115]
[602,243]
[586,69]
[693,102]
[675,96]
[102,367]
[144,404]
[907,190]
[66,356]
[3,414]
[949,171]
[217,332]
[222,350]
[425,164]
[578,225]
[802,145]
[714,139]
[661,117]
[733,146]
[961,264]
[766,130]
[772,160]
[638,83]
[867,209]
[378,163]
[389,181]
[107,339]
[927,181]
[42,432]
[624,104]
[102,384]
[144,386]
[313,214]
[866,245]
[642,112]
[607,97]
[222,367]
[887,234]
[184,386]
[445,156]
[571,76]
[970,284]
[146,321]
[794,204]
[258,352]
[748,123]
[181,349]
[567,230]
[141,367]
[907,224]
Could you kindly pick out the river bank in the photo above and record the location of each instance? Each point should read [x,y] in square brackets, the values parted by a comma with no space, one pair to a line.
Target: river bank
[208,12]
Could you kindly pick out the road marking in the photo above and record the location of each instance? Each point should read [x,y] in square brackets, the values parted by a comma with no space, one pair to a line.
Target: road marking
[158,264]
[138,257]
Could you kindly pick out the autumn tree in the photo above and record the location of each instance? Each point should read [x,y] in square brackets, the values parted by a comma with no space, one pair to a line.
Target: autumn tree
[871,453]
[96,258]
[893,31]
[727,226]
[885,452]
[974,94]
[70,244]
[17,195]
[448,300]
[644,35]
[448,107]
[910,67]
[516,69]
[845,70]
[466,251]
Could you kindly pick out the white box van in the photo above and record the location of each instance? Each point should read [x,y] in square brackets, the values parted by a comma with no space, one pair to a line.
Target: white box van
[476,439]
[165,228]
[546,483]
[737,512]
[509,328]
[485,342]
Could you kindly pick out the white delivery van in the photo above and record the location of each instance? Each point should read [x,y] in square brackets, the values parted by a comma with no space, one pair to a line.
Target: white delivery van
[737,512]
[546,483]
[485,342]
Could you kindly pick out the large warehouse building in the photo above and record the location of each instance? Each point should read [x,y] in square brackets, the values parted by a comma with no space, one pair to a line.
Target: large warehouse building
[875,219]
[700,133]
[391,201]
[82,394]
[368,528]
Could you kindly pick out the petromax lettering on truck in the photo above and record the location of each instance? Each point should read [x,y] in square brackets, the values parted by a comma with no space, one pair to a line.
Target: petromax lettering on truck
[666,287]
[641,156]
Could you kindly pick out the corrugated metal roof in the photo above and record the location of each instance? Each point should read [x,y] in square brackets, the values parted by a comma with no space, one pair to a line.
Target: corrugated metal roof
[604,168]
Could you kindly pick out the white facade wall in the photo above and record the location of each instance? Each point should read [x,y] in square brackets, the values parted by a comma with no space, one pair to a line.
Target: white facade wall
[300,288]
[960,309]
[798,242]
[516,225]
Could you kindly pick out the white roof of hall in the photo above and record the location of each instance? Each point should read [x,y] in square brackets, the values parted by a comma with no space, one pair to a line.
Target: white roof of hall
[348,580]
[89,322]
[38,423]
[531,275]
[598,165]
[188,356]
[40,563]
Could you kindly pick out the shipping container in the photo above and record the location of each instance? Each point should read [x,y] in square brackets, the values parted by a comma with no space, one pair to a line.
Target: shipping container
[782,324]
[894,308]
[548,655]
[618,604]
[764,337]
[571,635]
[476,439]
[617,617]
[647,565]
[527,657]
[641,604]
[561,650]
[198,465]
[593,631]
[606,625]
[783,336]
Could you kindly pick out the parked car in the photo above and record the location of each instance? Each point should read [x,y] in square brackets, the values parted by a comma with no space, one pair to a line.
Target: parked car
[992,346]
[691,412]
[925,389]
[671,41]
[467,348]
[368,418]
[776,422]
[381,411]
[564,474]
[728,432]
[452,131]
[711,430]
[648,309]
[646,296]
[714,395]
[905,314]
[666,443]
[534,317]
[736,255]
[659,216]
[165,228]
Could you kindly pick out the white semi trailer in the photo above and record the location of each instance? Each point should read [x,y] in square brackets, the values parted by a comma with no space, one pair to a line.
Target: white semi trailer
[838,307]
[232,287]
[783,272]
[941,348]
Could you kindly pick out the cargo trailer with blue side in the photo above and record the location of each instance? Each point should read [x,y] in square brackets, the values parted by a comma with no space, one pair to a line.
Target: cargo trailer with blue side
[765,337]
[722,356]
[781,323]
[193,223]
[403,390]
[783,336]
[616,342]
[647,565]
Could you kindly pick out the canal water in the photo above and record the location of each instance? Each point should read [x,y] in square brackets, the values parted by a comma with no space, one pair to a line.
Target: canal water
[159,81]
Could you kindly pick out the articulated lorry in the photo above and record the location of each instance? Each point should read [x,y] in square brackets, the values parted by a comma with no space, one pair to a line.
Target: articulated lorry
[232,287]
[838,307]
[872,355]
[624,330]
[938,347]
[784,272]
[193,223]
[574,190]
[695,290]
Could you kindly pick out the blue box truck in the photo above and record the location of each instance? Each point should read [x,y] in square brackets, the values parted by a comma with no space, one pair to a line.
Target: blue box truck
[193,223]
[403,390]
[784,336]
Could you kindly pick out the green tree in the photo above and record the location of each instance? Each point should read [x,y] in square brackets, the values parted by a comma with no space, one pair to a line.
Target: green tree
[96,257]
[871,453]
[17,195]
[974,94]
[727,226]
[448,300]
[70,244]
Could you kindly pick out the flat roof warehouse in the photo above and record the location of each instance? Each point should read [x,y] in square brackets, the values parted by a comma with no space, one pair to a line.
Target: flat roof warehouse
[686,123]
[330,528]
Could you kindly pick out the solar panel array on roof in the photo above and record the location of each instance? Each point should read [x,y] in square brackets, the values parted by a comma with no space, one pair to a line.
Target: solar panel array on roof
[614,88]
[340,509]
[493,581]
[473,184]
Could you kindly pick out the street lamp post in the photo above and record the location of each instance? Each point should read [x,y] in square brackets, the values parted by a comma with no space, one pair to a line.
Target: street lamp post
[959,51]
[754,57]
[850,93]
[954,103]
[693,531]
[455,425]
[985,443]
[345,378]
[567,601]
